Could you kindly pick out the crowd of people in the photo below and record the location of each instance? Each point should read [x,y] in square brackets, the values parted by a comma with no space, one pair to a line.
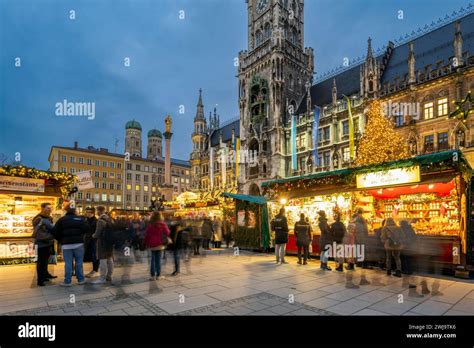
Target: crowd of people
[397,242]
[101,238]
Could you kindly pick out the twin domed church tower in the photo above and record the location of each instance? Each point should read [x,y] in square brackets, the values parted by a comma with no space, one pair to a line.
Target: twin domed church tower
[133,141]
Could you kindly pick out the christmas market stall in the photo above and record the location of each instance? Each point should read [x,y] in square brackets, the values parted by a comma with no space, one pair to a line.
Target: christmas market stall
[191,206]
[22,190]
[252,224]
[431,191]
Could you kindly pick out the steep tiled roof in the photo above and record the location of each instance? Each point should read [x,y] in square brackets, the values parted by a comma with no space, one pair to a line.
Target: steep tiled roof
[226,131]
[433,47]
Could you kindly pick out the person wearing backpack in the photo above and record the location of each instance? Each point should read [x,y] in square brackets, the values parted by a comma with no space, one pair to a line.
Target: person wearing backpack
[44,240]
[105,248]
[392,237]
[156,239]
[303,238]
[338,231]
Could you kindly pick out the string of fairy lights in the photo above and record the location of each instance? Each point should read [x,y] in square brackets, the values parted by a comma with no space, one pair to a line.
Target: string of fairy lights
[64,180]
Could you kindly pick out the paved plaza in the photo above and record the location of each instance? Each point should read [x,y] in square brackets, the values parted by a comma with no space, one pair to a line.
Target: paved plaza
[220,283]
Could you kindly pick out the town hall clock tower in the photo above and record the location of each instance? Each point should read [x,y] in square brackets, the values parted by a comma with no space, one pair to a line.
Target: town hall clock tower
[274,74]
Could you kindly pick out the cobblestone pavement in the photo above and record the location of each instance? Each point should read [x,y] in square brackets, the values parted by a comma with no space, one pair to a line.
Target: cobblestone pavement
[219,283]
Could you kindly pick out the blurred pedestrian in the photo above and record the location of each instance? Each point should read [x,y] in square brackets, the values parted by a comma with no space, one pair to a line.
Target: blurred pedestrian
[176,235]
[338,231]
[217,234]
[207,232]
[410,249]
[362,234]
[325,239]
[105,249]
[156,236]
[392,237]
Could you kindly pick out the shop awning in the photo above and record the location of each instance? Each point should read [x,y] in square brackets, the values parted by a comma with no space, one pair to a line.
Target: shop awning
[247,198]
[432,162]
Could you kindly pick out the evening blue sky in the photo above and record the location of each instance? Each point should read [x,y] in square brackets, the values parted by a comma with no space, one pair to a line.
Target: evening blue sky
[82,60]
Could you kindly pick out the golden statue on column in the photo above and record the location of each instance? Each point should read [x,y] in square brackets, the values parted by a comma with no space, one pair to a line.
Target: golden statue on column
[168,123]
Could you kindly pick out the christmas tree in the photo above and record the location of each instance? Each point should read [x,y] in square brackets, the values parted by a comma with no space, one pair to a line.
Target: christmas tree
[380,142]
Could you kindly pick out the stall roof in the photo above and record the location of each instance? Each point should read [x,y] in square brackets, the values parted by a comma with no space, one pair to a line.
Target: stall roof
[424,161]
[251,199]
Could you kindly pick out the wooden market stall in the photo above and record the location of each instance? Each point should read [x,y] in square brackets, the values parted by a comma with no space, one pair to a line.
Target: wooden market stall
[251,220]
[22,190]
[432,191]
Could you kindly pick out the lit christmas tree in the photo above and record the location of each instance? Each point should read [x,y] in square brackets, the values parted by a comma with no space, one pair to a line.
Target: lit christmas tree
[380,142]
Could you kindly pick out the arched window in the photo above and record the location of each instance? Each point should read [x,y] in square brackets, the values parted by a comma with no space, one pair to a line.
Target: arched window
[291,83]
[267,31]
[294,36]
[258,40]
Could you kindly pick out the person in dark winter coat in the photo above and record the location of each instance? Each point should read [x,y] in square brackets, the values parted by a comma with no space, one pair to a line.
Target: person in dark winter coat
[69,231]
[392,238]
[362,232]
[325,239]
[338,231]
[280,226]
[410,242]
[105,252]
[44,240]
[176,235]
[207,232]
[90,244]
[303,238]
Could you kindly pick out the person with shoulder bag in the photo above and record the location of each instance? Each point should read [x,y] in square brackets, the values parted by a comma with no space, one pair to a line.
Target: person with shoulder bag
[157,238]
[44,240]
[392,237]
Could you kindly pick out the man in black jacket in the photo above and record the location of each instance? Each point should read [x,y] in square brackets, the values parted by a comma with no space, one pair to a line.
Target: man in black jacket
[90,243]
[69,231]
[338,231]
[303,238]
[280,226]
[42,227]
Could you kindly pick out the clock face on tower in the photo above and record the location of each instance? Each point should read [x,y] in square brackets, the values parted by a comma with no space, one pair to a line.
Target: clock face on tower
[261,5]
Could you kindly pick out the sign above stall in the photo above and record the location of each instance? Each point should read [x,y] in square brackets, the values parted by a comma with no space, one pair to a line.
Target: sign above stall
[389,177]
[11,183]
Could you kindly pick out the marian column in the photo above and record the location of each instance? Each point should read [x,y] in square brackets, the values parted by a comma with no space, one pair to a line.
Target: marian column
[168,135]
[167,189]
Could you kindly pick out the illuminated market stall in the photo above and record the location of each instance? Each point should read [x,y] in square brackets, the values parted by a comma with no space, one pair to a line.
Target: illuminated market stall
[191,206]
[432,191]
[22,190]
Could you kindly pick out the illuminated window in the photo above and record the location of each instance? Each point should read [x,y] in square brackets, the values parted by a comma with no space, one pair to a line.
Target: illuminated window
[119,198]
[153,189]
[428,110]
[111,197]
[96,197]
[442,107]
[145,188]
[137,187]
[129,187]
[346,154]
[104,197]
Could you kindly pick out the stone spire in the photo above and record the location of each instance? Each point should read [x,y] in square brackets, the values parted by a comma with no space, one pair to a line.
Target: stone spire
[200,108]
[334,93]
[458,45]
[411,64]
[370,54]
